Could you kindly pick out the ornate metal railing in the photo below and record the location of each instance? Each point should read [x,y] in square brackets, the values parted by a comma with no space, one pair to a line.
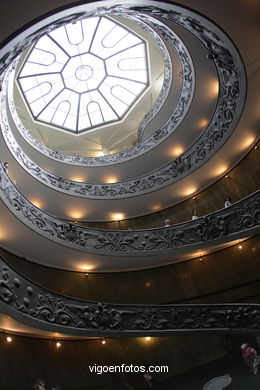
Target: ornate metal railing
[41,308]
[178,112]
[188,85]
[242,219]
[232,91]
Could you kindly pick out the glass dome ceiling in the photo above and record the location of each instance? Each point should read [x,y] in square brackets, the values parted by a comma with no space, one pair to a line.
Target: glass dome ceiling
[85,74]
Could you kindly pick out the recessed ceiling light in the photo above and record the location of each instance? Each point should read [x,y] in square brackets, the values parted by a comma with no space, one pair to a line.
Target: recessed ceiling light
[76,214]
[177,151]
[189,191]
[203,123]
[37,203]
[117,216]
[111,179]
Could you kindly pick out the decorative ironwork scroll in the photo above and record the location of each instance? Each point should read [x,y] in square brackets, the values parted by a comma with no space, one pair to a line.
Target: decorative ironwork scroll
[240,219]
[176,116]
[42,308]
[232,90]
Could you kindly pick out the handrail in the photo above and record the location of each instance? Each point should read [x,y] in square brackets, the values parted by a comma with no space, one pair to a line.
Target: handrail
[177,113]
[241,219]
[41,308]
[231,99]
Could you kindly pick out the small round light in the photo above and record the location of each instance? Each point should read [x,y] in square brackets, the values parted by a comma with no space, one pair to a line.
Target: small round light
[9,339]
[148,338]
[58,345]
[240,247]
[103,342]
[111,179]
[117,216]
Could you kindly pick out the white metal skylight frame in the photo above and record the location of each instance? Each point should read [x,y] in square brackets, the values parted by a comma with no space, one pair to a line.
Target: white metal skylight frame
[84,74]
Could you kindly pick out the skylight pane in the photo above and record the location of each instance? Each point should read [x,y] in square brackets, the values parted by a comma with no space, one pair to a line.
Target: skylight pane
[75,33]
[47,114]
[38,92]
[60,116]
[59,35]
[42,57]
[105,43]
[125,95]
[83,122]
[71,122]
[89,27]
[95,113]
[130,63]
[28,83]
[118,105]
[42,89]
[102,108]
[64,108]
[112,89]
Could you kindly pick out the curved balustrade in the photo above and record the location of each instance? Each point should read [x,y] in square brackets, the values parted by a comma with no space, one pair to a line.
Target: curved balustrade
[176,116]
[178,112]
[44,309]
[242,219]
[232,90]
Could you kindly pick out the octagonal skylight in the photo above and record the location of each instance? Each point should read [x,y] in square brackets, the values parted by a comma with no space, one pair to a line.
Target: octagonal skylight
[85,74]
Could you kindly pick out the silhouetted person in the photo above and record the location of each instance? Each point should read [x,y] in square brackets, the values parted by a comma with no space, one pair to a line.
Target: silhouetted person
[6,166]
[250,357]
[167,223]
[194,215]
[228,202]
[148,378]
[39,385]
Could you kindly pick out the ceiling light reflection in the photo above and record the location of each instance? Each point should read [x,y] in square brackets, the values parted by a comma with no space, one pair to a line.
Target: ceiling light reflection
[203,123]
[86,267]
[247,142]
[156,207]
[177,151]
[76,214]
[111,179]
[117,216]
[189,191]
[2,234]
[214,88]
[78,179]
[220,170]
[37,203]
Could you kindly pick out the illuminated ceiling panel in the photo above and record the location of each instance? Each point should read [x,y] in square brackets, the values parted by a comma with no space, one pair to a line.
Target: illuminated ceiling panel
[85,74]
